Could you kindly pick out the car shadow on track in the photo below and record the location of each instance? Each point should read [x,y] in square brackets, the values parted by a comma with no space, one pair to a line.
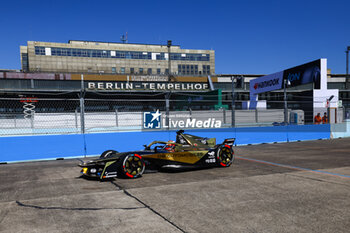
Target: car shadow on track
[163,170]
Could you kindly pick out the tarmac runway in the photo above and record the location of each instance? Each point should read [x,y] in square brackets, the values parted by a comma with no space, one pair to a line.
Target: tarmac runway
[285,187]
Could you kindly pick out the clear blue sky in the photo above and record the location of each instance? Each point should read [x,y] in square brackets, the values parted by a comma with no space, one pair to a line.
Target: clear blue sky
[248,36]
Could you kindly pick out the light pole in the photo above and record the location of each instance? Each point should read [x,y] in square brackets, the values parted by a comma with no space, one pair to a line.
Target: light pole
[347,68]
[167,95]
[285,81]
[328,105]
[169,61]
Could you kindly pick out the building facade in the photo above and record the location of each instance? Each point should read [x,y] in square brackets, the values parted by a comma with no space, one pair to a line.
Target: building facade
[14,83]
[114,58]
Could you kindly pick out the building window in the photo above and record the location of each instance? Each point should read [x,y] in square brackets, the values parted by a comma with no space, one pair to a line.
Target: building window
[25,67]
[158,71]
[132,70]
[166,71]
[188,69]
[114,70]
[122,70]
[206,69]
[39,50]
[141,70]
[149,71]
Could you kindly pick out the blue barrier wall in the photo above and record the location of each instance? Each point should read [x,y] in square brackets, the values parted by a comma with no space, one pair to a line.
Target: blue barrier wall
[77,145]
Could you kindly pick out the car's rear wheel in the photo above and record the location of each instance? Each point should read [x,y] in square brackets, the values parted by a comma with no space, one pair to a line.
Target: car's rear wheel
[131,166]
[107,153]
[224,155]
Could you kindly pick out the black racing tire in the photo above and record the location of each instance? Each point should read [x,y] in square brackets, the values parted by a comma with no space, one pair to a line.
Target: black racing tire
[107,153]
[131,166]
[225,155]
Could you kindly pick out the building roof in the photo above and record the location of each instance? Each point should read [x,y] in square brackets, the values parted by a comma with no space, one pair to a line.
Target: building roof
[107,42]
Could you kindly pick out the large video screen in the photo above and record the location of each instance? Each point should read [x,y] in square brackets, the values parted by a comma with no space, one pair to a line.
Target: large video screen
[304,74]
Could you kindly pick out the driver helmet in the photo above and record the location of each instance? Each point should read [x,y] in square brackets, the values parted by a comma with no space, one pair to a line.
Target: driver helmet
[170,146]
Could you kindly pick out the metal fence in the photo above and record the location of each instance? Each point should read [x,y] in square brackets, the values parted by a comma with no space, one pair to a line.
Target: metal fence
[32,116]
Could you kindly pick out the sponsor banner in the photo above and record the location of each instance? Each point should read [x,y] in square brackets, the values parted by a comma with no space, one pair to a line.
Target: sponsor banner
[155,120]
[266,83]
[149,78]
[299,75]
[147,86]
[304,74]
[142,78]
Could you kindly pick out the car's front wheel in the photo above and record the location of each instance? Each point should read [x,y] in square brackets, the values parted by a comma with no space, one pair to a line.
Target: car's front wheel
[131,166]
[107,153]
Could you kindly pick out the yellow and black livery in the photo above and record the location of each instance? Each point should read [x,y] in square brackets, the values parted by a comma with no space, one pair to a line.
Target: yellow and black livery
[188,151]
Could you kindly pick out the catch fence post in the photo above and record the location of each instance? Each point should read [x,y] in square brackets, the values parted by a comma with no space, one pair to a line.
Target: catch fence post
[224,115]
[32,119]
[76,118]
[116,117]
[82,115]
[82,106]
[233,117]
[167,106]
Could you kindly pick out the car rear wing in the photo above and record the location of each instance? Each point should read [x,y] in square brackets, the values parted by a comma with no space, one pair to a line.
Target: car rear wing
[229,141]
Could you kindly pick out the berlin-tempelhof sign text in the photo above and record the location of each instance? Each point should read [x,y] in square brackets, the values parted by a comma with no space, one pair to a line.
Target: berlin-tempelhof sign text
[147,86]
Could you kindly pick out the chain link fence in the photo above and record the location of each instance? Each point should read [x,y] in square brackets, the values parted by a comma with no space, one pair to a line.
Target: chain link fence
[37,116]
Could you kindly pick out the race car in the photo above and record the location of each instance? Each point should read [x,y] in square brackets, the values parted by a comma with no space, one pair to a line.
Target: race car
[188,151]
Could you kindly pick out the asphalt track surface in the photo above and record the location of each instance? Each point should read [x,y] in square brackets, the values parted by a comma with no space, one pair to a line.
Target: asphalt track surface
[286,187]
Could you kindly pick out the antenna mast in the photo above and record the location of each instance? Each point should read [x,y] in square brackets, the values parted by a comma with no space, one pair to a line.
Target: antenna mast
[124,39]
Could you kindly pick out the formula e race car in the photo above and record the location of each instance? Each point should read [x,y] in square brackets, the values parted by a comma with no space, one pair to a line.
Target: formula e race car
[188,151]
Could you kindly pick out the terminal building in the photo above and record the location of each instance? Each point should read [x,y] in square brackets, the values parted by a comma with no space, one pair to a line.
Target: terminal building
[115,58]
